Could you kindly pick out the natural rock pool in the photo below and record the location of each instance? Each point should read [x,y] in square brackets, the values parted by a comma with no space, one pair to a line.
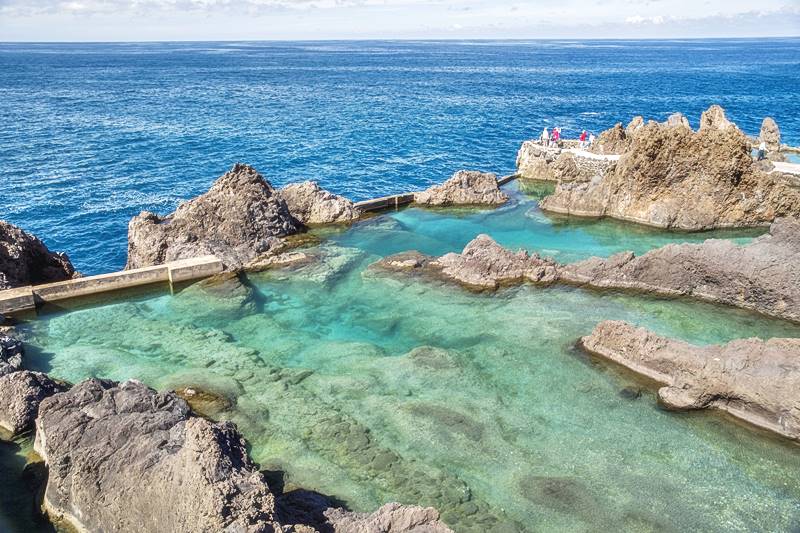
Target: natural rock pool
[370,388]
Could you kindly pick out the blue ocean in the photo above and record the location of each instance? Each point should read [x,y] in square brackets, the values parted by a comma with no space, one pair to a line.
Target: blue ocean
[91,134]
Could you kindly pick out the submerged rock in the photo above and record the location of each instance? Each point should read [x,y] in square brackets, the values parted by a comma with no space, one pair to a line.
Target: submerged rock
[20,395]
[123,457]
[754,380]
[465,187]
[391,518]
[11,352]
[312,205]
[240,217]
[763,276]
[672,177]
[25,260]
[224,294]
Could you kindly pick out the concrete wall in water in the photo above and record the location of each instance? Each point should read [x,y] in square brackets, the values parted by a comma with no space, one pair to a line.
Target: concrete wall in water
[22,299]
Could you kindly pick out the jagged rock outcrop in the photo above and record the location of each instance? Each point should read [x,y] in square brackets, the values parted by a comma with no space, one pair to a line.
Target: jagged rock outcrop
[391,518]
[770,134]
[714,118]
[672,177]
[20,395]
[483,264]
[677,120]
[635,123]
[533,161]
[754,380]
[25,260]
[763,276]
[465,187]
[240,217]
[612,141]
[11,351]
[123,457]
[312,205]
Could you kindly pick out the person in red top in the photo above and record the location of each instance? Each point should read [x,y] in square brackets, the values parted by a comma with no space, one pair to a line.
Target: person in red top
[582,139]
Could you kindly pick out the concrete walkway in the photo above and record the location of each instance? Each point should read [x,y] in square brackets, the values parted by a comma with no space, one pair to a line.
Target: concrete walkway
[589,155]
[787,168]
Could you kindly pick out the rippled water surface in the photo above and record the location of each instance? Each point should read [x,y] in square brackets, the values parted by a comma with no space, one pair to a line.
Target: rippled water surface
[92,134]
[374,388]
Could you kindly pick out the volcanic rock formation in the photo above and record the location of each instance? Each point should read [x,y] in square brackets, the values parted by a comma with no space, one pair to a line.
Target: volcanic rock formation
[123,457]
[770,134]
[672,177]
[11,351]
[312,205]
[763,276]
[754,380]
[240,217]
[465,187]
[391,518]
[483,264]
[20,395]
[25,260]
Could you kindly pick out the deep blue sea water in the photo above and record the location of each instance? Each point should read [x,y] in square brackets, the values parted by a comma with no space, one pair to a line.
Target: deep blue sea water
[91,134]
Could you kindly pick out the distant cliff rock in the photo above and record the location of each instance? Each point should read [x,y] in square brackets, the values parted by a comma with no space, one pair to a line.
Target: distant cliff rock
[613,140]
[754,380]
[770,134]
[240,217]
[465,187]
[672,177]
[714,118]
[312,205]
[25,260]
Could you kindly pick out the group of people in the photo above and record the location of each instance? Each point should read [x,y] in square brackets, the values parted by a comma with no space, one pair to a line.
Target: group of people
[553,139]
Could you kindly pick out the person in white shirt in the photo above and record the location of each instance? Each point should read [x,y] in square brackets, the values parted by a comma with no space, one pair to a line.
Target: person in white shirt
[762,150]
[545,138]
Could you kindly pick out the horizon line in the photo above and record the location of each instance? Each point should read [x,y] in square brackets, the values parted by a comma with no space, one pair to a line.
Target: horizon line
[411,39]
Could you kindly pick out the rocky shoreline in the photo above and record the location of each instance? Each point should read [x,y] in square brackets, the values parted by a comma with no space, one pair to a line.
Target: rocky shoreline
[102,441]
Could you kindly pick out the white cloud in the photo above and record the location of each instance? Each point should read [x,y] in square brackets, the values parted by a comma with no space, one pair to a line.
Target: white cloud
[321,19]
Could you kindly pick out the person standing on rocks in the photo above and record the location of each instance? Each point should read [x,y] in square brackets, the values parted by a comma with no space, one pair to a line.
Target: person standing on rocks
[762,151]
[582,140]
[591,139]
[545,138]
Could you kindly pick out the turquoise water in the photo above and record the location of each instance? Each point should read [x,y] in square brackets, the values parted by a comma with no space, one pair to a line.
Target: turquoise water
[372,388]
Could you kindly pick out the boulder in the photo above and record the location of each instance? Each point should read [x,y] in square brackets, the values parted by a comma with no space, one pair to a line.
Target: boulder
[754,380]
[11,352]
[612,141]
[20,395]
[483,264]
[465,187]
[123,457]
[25,260]
[762,276]
[714,118]
[312,205]
[239,218]
[391,518]
[677,178]
[770,134]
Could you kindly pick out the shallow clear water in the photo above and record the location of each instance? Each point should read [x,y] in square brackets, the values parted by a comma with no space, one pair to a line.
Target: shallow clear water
[372,388]
[91,134]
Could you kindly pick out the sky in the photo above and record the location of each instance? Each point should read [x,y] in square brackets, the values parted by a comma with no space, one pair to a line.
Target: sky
[161,20]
